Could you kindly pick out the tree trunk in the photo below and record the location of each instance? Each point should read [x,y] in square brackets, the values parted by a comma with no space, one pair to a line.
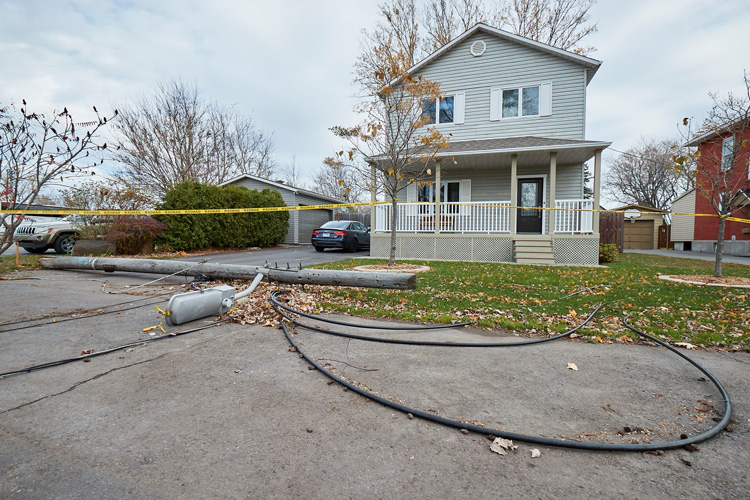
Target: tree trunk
[394,218]
[720,245]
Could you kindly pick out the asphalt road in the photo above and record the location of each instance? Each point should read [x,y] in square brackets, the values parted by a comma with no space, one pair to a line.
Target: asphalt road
[232,412]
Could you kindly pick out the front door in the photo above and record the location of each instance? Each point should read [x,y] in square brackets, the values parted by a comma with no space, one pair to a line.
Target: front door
[530,195]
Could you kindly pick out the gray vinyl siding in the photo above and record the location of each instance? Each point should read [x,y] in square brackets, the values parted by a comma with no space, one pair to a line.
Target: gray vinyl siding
[683,226]
[507,64]
[493,184]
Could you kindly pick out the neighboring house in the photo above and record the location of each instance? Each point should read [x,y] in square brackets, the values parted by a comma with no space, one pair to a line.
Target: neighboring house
[514,111]
[301,222]
[727,148]
[642,232]
[683,226]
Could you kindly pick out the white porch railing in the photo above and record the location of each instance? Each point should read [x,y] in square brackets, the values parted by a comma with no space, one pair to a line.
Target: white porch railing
[477,217]
[570,216]
[574,216]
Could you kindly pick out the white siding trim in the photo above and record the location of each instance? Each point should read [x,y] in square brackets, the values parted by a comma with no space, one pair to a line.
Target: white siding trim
[459,107]
[494,105]
[411,192]
[545,99]
[465,196]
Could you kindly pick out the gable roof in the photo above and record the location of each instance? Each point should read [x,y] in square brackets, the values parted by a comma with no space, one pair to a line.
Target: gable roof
[281,185]
[587,62]
[642,208]
[717,132]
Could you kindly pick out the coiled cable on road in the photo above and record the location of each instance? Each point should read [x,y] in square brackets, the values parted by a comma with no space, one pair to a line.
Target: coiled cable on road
[543,441]
[277,305]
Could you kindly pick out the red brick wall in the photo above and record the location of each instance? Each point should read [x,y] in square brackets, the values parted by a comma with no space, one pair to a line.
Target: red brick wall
[706,228]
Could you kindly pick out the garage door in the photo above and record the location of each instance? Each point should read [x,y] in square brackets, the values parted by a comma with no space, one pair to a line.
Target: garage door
[311,219]
[639,234]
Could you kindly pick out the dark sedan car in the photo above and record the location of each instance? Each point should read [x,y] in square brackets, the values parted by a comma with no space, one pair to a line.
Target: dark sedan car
[347,234]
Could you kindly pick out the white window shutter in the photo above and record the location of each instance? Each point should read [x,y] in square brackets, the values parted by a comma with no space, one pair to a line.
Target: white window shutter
[459,107]
[411,192]
[545,99]
[494,105]
[465,196]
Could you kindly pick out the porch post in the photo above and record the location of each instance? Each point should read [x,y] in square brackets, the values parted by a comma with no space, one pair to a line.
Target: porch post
[597,187]
[552,189]
[438,219]
[373,195]
[513,192]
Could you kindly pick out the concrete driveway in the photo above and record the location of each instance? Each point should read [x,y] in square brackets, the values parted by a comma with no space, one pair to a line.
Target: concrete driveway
[293,255]
[732,259]
[231,412]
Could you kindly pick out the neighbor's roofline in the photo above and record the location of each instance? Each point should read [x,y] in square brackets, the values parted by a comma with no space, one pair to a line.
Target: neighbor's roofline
[717,132]
[583,60]
[279,185]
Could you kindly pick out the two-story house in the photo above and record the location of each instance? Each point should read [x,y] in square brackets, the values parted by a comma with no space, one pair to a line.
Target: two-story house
[514,111]
[722,174]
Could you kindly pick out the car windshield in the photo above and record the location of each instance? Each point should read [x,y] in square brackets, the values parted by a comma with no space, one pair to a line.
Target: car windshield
[335,224]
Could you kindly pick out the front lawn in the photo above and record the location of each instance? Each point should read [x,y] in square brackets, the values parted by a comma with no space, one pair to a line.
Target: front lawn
[534,299]
[8,263]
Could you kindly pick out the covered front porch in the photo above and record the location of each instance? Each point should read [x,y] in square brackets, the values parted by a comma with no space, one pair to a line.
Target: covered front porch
[516,200]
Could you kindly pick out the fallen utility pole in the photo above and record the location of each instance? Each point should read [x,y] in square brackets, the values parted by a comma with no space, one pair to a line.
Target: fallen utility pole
[400,281]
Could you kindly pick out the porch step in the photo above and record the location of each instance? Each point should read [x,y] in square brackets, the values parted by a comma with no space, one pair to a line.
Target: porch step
[536,251]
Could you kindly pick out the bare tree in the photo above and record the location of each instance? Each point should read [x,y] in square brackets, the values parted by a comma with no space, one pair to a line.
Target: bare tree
[291,174]
[647,175]
[393,137]
[560,23]
[722,160]
[338,181]
[176,134]
[36,149]
[444,20]
[397,32]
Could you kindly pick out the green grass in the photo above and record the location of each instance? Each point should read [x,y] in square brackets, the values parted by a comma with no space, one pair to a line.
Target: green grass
[529,299]
[8,264]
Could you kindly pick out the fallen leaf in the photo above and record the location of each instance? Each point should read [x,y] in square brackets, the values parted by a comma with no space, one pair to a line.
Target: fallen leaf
[686,345]
[572,366]
[535,453]
[500,445]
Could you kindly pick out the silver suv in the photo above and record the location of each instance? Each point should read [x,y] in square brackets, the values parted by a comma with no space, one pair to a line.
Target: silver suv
[41,236]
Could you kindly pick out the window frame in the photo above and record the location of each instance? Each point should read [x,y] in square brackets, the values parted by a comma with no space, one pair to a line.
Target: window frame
[519,102]
[727,158]
[435,109]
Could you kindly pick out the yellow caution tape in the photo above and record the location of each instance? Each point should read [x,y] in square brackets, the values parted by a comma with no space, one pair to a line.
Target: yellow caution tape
[201,211]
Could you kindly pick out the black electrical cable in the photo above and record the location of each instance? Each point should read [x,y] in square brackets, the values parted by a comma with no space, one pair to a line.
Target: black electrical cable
[59,314]
[642,447]
[109,350]
[64,320]
[276,305]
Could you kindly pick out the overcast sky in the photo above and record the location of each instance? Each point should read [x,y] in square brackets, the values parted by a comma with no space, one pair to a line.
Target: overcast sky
[289,63]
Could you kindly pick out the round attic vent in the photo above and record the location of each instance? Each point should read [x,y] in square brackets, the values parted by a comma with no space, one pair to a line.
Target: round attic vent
[478,48]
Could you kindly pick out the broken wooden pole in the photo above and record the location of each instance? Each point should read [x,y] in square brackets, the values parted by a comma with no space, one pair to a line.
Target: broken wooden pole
[400,281]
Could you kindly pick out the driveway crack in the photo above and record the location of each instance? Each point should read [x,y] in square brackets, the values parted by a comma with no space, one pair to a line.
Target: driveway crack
[78,384]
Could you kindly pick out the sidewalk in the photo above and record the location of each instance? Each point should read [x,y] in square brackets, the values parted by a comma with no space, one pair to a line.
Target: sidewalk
[731,259]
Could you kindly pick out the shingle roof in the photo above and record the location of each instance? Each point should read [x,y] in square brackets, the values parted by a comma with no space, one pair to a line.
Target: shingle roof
[514,143]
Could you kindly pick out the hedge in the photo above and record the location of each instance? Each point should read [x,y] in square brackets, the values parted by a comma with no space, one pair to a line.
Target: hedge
[195,232]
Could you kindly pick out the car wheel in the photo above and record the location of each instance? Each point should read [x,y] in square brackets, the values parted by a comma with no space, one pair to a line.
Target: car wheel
[318,249]
[37,250]
[64,243]
[354,246]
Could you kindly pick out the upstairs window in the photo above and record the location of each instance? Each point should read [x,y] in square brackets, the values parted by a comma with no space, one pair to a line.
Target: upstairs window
[727,152]
[449,109]
[521,102]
